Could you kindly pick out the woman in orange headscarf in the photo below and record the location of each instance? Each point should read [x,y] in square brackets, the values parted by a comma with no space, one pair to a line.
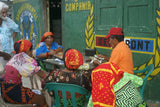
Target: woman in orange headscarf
[48,46]
[21,64]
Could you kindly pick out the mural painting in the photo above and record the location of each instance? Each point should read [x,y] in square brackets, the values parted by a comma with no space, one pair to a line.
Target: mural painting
[29,23]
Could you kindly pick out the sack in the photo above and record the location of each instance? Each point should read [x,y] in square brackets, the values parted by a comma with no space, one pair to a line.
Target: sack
[128,96]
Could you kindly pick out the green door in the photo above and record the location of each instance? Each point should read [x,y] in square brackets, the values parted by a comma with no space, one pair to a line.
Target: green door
[108,13]
[138,25]
[138,18]
[134,16]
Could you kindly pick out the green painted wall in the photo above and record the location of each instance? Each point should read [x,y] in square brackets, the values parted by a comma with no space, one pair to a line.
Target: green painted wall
[85,23]
[74,15]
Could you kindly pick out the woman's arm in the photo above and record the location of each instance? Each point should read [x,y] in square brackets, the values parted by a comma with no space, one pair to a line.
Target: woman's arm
[44,55]
[52,52]
[6,56]
[42,74]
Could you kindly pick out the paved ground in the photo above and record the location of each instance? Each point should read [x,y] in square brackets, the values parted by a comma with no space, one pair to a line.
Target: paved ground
[151,104]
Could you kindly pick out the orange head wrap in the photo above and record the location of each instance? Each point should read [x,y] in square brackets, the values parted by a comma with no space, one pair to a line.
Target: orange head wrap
[45,35]
[24,45]
[73,59]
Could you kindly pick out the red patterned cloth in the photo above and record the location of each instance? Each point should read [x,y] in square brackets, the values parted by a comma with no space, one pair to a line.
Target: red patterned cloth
[45,35]
[73,59]
[16,93]
[103,78]
[24,46]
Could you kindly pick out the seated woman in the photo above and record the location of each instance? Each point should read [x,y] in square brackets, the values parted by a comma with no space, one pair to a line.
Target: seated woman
[48,46]
[115,88]
[72,60]
[21,64]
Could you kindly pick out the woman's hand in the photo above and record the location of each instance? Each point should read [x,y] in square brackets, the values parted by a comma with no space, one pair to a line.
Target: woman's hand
[52,52]
[56,52]
[42,74]
[96,62]
[103,56]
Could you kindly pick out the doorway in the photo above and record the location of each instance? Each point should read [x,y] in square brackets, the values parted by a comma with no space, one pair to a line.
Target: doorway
[55,20]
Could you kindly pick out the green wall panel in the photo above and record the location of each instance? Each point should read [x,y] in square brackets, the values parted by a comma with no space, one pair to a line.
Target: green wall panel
[74,16]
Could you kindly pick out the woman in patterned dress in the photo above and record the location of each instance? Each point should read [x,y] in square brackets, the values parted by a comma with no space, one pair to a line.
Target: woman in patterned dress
[111,87]
[73,59]
[21,64]
[47,47]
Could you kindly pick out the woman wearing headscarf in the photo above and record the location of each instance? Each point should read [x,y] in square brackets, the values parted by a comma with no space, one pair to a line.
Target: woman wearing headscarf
[73,59]
[21,64]
[48,46]
[111,87]
[103,78]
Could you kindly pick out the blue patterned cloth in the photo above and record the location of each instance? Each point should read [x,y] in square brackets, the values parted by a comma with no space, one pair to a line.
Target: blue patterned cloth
[6,31]
[43,49]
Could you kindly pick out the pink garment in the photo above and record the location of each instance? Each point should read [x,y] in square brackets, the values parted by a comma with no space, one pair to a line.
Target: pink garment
[20,65]
[26,65]
[12,75]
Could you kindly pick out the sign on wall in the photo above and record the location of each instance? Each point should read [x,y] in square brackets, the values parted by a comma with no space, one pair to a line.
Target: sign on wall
[102,42]
[141,45]
[138,45]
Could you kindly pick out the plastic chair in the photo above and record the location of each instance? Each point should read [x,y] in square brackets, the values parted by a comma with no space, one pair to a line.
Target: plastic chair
[147,71]
[64,87]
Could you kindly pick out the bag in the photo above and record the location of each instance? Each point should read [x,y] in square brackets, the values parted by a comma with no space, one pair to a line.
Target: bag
[90,52]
